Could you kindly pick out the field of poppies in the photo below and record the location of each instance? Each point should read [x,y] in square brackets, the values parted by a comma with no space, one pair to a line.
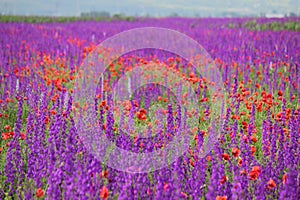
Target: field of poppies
[46,154]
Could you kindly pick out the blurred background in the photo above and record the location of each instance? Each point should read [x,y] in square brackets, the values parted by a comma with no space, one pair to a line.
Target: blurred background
[152,8]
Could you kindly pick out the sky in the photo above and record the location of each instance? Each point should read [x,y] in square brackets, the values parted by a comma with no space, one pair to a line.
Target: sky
[157,8]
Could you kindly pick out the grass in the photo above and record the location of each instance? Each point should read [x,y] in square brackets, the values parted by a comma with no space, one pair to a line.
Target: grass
[63,19]
[271,26]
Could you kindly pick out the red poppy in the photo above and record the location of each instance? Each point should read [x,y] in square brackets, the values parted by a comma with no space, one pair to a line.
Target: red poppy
[223,180]
[127,105]
[7,127]
[243,113]
[258,73]
[166,185]
[235,152]
[53,112]
[40,193]
[221,198]
[22,136]
[254,173]
[225,156]
[253,139]
[47,119]
[256,168]
[135,103]
[253,150]
[293,97]
[159,98]
[243,172]
[284,178]
[5,136]
[103,103]
[203,100]
[141,145]
[141,114]
[240,162]
[271,184]
[104,193]
[208,158]
[244,123]
[192,162]
[235,117]
[104,174]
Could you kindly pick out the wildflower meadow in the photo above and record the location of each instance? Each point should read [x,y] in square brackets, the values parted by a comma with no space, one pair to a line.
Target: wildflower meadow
[90,111]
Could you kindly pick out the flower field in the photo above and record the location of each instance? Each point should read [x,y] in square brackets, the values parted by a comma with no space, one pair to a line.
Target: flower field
[44,153]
